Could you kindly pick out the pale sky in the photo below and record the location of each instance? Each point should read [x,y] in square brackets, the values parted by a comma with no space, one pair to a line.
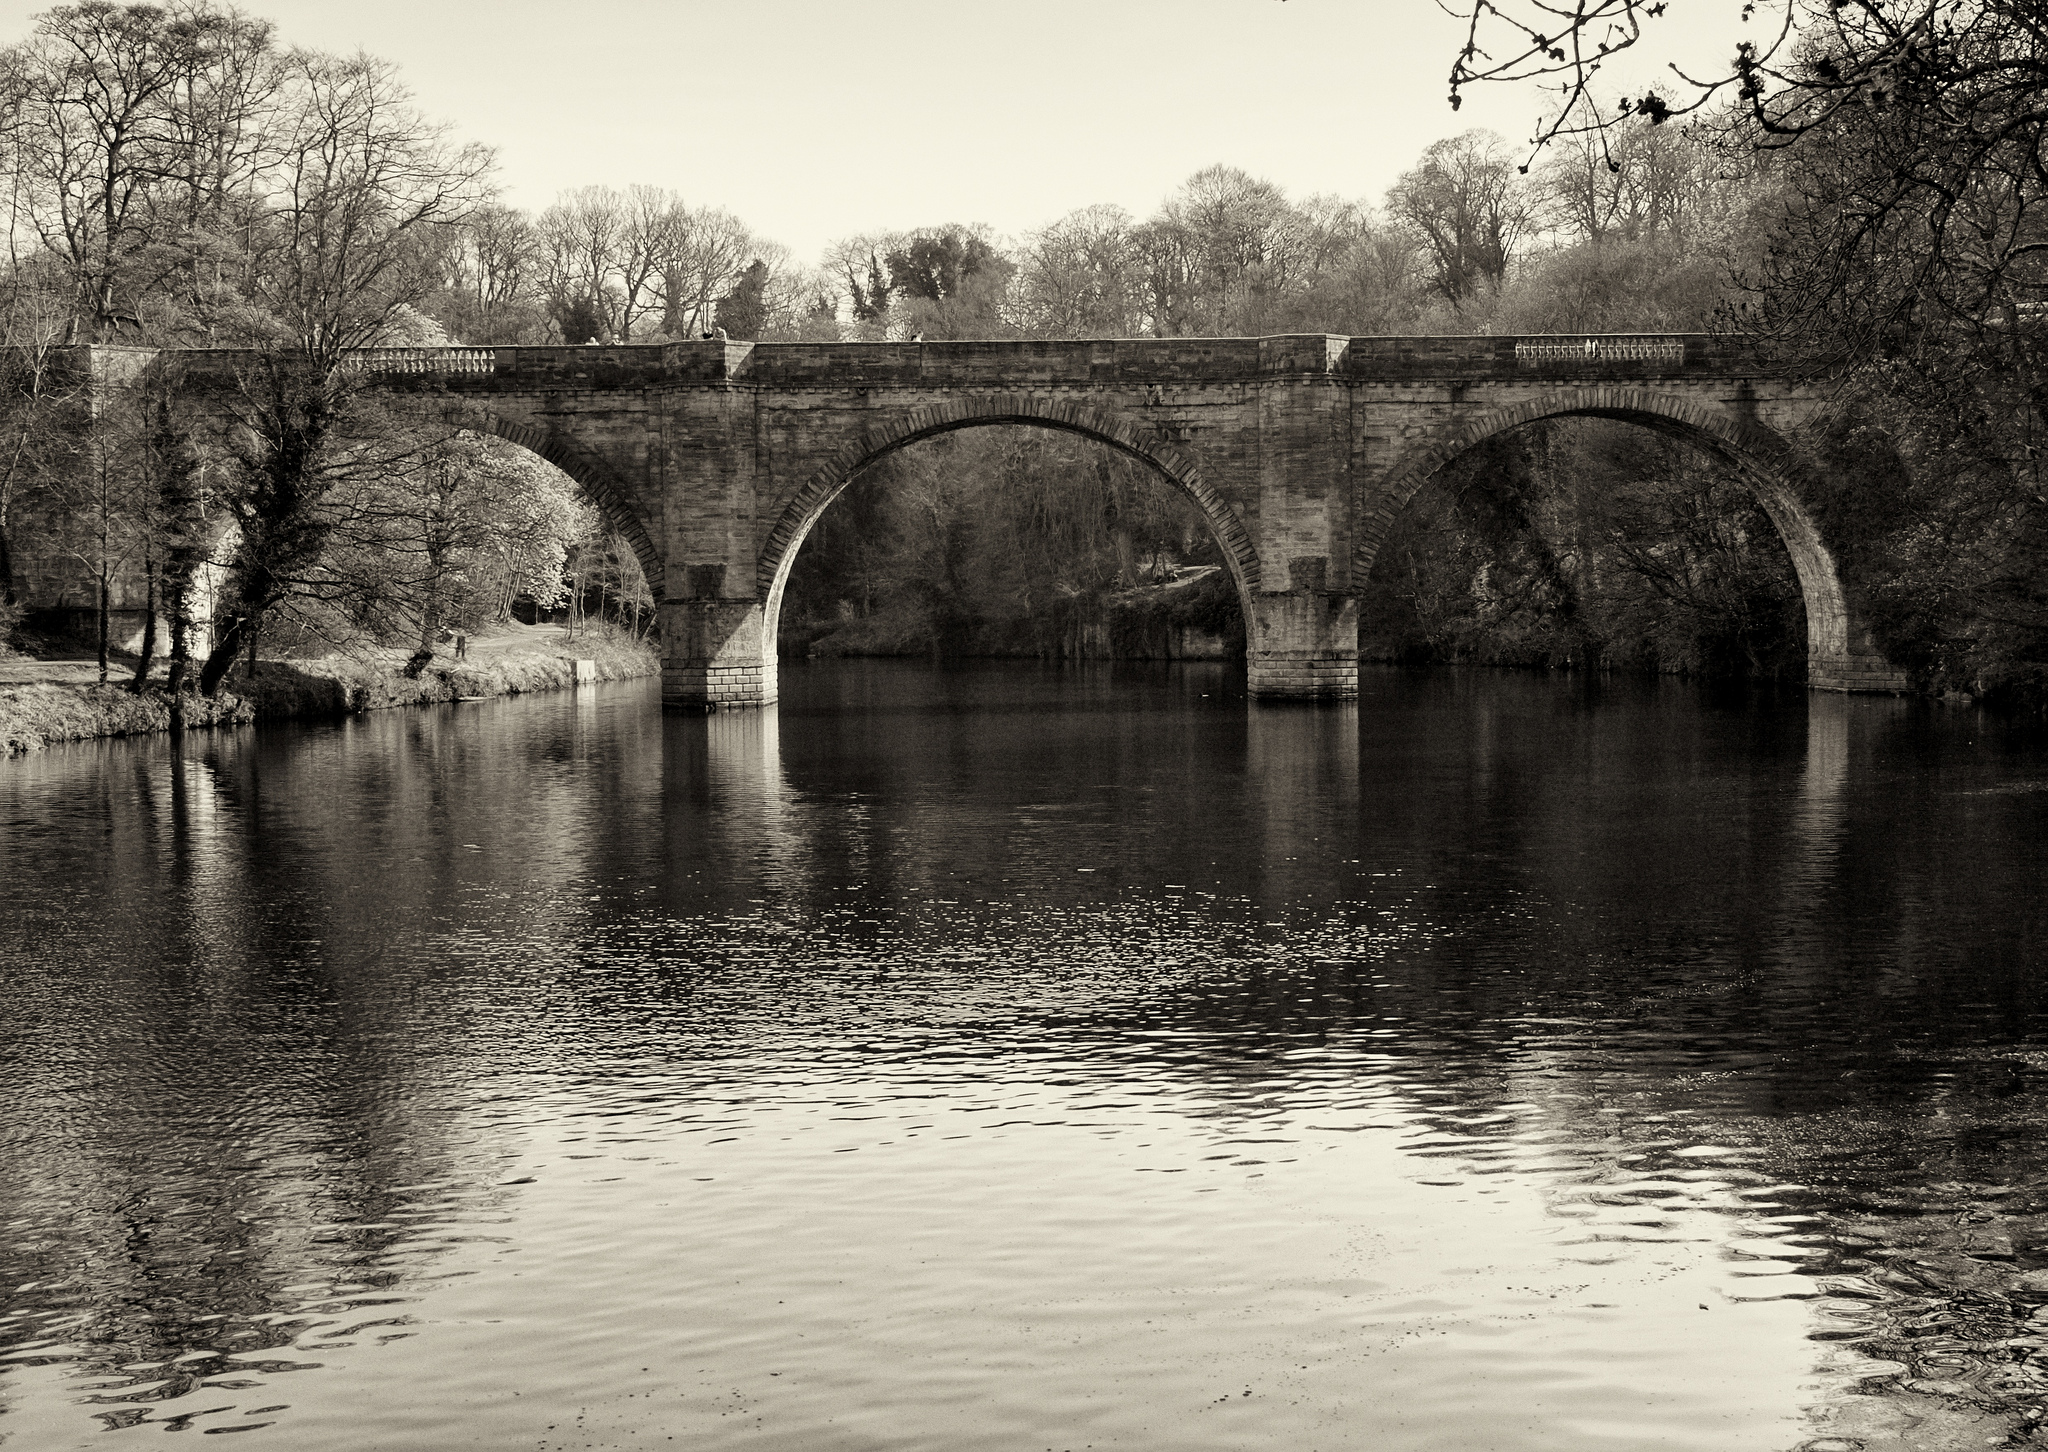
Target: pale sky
[816,119]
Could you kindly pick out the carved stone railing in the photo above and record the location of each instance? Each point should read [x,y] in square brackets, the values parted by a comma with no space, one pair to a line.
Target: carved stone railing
[421,360]
[1601,348]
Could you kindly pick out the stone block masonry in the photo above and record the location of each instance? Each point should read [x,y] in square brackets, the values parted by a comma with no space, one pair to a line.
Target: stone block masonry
[1300,451]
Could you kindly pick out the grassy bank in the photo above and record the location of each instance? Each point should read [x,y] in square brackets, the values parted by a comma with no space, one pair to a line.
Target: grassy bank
[339,685]
[41,714]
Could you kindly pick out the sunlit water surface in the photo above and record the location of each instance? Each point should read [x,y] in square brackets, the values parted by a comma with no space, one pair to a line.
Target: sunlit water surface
[1000,1057]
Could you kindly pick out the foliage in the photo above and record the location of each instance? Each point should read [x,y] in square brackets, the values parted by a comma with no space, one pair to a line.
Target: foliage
[949,282]
[983,541]
[743,312]
[445,536]
[1584,543]
[1469,207]
[1890,154]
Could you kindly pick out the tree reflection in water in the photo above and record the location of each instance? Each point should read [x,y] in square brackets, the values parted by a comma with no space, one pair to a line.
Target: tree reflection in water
[1041,1052]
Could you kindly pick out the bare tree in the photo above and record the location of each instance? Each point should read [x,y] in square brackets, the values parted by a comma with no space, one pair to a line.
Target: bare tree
[176,477]
[858,272]
[503,264]
[706,249]
[1801,64]
[38,400]
[1467,201]
[1079,277]
[486,273]
[89,98]
[223,136]
[363,182]
[580,233]
[654,221]
[798,302]
[1221,254]
[1640,184]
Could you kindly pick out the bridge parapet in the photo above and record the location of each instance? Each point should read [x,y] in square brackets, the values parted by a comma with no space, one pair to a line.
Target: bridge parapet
[1010,364]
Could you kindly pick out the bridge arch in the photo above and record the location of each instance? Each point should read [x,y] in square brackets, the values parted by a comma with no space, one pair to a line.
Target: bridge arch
[885,436]
[1759,455]
[592,473]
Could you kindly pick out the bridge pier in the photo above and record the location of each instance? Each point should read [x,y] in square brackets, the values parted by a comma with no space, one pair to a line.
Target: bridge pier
[1870,674]
[716,656]
[1302,646]
[1853,665]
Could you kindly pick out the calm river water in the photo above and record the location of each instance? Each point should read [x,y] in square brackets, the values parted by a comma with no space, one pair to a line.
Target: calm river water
[1008,1058]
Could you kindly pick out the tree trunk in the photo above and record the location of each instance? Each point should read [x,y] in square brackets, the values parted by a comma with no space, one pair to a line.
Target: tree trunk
[177,576]
[221,659]
[254,626]
[181,650]
[106,610]
[7,477]
[430,629]
[150,575]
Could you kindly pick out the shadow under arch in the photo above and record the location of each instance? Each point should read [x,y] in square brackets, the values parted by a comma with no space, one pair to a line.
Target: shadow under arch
[886,436]
[592,474]
[1758,455]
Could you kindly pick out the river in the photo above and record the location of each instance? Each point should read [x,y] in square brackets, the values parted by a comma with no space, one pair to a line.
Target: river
[1019,1058]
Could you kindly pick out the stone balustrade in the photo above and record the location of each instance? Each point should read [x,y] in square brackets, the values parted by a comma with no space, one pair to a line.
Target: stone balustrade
[1601,348]
[421,360]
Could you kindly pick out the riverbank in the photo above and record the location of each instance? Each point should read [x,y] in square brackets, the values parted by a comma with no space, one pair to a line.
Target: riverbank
[56,708]
[1194,616]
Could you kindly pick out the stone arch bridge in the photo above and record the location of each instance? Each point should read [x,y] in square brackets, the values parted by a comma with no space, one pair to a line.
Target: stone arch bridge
[714,459]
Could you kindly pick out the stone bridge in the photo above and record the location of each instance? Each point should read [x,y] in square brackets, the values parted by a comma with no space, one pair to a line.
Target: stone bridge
[714,459]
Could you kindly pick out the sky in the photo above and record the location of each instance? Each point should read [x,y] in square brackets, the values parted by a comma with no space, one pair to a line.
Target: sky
[819,119]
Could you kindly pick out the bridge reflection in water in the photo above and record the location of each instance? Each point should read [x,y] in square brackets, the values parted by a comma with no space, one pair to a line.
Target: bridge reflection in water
[1004,1053]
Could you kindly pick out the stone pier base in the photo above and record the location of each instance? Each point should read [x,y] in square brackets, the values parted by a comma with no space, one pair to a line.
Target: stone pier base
[1290,676]
[1863,672]
[701,686]
[1302,646]
[721,661]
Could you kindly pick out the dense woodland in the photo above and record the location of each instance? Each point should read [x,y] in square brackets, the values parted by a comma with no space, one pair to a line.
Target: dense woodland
[1860,197]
